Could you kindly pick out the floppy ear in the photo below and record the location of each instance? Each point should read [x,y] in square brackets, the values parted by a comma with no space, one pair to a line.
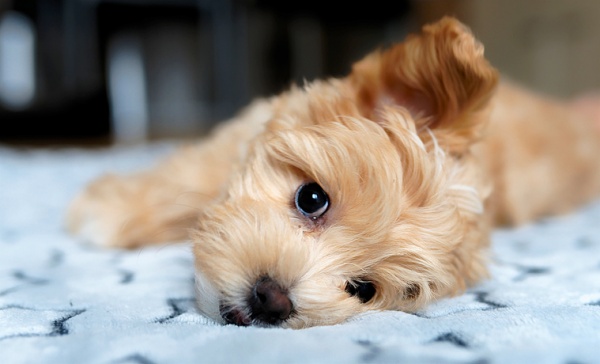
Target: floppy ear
[439,75]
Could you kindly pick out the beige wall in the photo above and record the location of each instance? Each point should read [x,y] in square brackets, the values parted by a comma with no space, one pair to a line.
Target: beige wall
[550,45]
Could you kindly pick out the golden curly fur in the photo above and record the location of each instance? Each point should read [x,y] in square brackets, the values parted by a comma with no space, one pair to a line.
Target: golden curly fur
[420,151]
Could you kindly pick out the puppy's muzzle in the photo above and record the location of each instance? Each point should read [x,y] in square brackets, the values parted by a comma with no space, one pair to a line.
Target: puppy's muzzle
[268,304]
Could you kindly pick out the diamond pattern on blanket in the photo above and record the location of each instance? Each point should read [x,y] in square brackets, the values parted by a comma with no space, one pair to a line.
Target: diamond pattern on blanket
[25,322]
[134,359]
[451,338]
[179,307]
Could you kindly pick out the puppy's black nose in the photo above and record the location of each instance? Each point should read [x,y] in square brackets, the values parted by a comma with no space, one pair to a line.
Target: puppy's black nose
[269,302]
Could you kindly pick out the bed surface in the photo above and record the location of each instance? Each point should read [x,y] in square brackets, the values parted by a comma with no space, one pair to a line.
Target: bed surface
[64,302]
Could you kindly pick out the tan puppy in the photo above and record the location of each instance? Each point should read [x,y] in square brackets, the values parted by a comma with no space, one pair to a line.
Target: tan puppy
[375,191]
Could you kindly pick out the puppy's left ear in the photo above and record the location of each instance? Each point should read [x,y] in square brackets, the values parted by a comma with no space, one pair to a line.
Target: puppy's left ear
[440,76]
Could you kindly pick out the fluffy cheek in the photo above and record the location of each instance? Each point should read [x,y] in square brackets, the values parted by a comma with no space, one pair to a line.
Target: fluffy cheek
[323,308]
[207,297]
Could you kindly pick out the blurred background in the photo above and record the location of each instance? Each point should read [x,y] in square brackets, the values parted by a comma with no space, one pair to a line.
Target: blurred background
[103,71]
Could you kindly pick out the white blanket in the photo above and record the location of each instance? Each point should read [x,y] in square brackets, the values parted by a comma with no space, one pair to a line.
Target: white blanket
[63,302]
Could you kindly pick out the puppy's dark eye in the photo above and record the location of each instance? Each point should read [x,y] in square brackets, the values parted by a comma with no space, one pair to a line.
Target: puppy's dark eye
[311,200]
[363,290]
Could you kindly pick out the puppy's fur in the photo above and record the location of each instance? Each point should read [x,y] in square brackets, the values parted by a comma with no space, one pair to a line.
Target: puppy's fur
[421,152]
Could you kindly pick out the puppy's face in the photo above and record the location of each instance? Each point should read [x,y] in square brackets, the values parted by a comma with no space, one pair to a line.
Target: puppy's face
[359,195]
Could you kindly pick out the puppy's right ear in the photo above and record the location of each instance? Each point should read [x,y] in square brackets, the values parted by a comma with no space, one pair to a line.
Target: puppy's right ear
[440,76]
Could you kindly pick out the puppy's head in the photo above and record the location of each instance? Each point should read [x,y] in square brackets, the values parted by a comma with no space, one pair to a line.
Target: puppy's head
[361,194]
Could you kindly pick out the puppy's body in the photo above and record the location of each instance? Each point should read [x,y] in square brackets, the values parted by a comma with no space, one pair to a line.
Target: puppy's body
[418,153]
[542,155]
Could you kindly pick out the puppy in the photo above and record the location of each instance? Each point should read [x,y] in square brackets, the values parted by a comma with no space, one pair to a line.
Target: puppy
[376,191]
